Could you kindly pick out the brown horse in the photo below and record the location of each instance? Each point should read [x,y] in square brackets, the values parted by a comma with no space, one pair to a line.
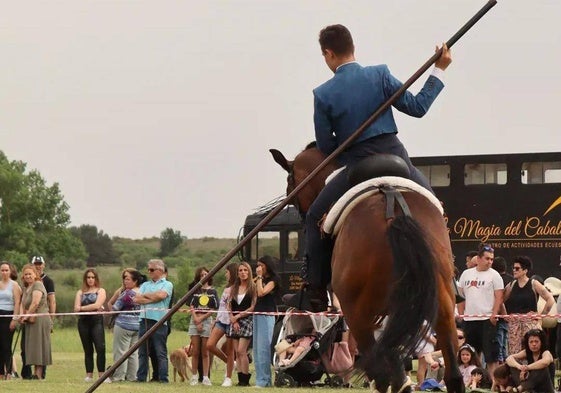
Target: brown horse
[398,268]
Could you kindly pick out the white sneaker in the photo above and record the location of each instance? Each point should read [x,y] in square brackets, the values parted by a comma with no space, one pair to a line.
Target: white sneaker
[227,382]
[194,380]
[206,381]
[88,379]
[107,380]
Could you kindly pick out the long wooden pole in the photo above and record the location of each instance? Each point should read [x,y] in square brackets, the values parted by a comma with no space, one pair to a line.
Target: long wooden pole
[296,190]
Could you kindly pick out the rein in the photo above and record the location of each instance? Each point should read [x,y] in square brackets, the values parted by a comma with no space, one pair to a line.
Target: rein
[291,186]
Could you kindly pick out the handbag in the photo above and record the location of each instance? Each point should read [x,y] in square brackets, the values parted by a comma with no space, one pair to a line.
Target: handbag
[338,358]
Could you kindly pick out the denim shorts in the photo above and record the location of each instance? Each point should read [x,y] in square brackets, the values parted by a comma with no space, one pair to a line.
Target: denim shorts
[205,332]
[222,326]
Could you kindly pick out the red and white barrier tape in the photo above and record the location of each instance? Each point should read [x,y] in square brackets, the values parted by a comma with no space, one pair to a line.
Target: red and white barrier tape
[275,313]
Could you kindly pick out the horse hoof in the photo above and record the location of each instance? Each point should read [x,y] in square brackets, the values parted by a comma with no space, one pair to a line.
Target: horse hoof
[406,387]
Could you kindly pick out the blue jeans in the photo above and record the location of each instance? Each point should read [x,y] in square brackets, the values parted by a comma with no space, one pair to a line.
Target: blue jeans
[318,269]
[262,336]
[158,345]
[502,338]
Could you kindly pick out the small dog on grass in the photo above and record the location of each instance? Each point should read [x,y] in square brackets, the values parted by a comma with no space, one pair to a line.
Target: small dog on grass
[181,363]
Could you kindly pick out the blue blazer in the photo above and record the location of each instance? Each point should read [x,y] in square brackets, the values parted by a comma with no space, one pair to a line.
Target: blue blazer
[345,101]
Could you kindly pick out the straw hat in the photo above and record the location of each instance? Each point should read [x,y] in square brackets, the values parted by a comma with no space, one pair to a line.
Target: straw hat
[282,346]
[553,285]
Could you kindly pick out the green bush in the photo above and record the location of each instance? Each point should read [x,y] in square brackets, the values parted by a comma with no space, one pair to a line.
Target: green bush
[180,321]
[71,280]
[17,258]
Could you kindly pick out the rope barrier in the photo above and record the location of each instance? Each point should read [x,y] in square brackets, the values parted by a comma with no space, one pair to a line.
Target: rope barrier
[513,316]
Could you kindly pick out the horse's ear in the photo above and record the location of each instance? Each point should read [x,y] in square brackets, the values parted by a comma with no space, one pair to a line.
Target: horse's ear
[280,159]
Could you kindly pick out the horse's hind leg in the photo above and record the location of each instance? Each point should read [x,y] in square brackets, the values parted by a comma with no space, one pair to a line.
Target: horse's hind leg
[389,369]
[400,382]
[379,375]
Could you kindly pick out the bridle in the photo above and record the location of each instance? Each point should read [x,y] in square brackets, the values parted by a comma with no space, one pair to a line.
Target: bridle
[290,186]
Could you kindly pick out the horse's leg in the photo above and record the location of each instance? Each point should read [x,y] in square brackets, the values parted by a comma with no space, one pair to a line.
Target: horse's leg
[445,328]
[363,276]
[400,382]
[381,371]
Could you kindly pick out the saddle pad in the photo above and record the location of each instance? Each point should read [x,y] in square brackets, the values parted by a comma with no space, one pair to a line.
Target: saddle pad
[331,226]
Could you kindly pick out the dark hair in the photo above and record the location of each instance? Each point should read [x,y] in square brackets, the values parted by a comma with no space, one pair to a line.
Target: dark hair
[483,248]
[471,254]
[136,276]
[502,371]
[338,39]
[485,378]
[524,261]
[13,270]
[474,358]
[539,333]
[270,264]
[198,274]
[499,264]
[233,269]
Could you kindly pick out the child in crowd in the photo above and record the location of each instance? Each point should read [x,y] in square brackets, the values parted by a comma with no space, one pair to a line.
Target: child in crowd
[468,361]
[424,351]
[288,352]
[502,380]
[480,379]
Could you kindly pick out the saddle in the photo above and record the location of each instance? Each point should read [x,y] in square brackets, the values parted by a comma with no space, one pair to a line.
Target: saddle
[379,173]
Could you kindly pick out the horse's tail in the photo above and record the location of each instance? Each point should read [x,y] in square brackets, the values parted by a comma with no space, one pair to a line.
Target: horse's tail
[413,301]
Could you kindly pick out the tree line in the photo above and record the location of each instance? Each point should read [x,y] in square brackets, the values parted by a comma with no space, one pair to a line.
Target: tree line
[35,220]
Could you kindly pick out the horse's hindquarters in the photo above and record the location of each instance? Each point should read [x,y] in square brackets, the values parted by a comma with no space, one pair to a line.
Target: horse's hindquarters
[393,267]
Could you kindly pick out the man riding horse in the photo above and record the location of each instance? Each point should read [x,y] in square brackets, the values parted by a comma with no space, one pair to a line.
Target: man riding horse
[341,105]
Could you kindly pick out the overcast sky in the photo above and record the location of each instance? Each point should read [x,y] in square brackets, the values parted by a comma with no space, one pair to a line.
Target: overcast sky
[155,114]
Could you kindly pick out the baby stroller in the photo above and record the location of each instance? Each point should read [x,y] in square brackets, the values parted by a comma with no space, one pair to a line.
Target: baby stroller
[303,339]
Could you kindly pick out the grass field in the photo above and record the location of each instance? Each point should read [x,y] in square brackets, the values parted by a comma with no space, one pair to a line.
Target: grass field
[67,372]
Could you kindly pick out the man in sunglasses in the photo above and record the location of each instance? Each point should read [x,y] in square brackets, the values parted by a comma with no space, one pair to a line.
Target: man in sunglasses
[482,288]
[154,299]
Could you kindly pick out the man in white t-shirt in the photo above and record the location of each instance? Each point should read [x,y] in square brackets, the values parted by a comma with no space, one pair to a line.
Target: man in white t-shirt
[482,287]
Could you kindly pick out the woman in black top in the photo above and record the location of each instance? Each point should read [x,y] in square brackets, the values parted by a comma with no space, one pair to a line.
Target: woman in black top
[532,369]
[521,297]
[91,297]
[267,285]
[241,306]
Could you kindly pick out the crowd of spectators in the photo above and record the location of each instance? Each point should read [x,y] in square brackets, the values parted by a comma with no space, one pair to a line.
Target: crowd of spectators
[501,342]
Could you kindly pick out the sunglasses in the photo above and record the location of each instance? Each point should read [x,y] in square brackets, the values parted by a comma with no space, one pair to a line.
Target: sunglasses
[516,268]
[488,249]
